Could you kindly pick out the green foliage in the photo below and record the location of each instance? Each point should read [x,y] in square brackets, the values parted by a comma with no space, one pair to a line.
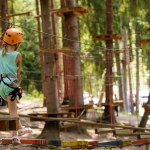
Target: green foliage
[30,53]
[133,14]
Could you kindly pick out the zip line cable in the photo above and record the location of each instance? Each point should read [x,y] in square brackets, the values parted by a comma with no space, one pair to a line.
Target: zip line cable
[41,32]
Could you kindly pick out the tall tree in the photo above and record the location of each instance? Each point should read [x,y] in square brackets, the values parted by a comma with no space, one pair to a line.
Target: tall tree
[71,38]
[51,129]
[4,13]
[109,63]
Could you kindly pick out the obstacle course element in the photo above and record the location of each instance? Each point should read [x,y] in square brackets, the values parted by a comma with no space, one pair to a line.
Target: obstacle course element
[145,41]
[76,109]
[75,10]
[8,124]
[38,142]
[108,37]
[63,50]
[79,144]
[113,104]
[55,115]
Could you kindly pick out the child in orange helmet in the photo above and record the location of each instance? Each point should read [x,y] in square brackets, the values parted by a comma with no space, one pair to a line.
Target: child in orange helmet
[10,69]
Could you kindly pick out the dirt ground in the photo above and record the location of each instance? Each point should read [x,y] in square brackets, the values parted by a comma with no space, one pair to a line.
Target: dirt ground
[26,107]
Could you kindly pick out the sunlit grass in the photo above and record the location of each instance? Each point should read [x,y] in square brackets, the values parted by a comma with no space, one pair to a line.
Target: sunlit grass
[30,97]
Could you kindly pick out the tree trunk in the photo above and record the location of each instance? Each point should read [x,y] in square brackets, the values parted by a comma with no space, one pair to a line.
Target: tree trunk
[119,74]
[124,71]
[117,55]
[4,13]
[137,72]
[51,129]
[41,53]
[109,110]
[71,36]
[145,116]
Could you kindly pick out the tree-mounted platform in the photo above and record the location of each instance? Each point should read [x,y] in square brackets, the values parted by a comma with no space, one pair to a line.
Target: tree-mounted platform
[78,110]
[41,116]
[148,30]
[115,103]
[119,51]
[108,37]
[145,41]
[8,124]
[63,50]
[75,10]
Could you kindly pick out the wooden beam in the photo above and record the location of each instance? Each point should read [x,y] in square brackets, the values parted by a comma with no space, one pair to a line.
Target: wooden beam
[20,14]
[8,124]
[76,10]
[145,41]
[63,50]
[108,37]
[83,122]
[38,142]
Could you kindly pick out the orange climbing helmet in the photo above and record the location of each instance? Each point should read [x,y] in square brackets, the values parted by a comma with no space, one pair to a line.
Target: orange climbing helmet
[13,36]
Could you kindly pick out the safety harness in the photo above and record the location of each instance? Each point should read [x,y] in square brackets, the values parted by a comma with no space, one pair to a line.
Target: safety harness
[13,84]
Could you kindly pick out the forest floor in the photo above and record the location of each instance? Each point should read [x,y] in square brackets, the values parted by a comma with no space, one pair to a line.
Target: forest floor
[26,107]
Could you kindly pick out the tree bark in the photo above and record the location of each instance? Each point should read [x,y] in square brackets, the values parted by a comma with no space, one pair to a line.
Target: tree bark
[71,38]
[51,129]
[4,13]
[109,110]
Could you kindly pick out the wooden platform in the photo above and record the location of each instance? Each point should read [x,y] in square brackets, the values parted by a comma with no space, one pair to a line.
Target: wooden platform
[75,10]
[145,41]
[115,103]
[8,124]
[76,109]
[108,37]
[63,50]
[56,115]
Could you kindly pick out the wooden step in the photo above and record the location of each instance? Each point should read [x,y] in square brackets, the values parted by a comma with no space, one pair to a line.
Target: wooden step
[8,124]
[111,144]
[39,142]
[55,115]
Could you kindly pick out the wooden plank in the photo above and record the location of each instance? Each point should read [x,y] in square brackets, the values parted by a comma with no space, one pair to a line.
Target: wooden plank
[67,124]
[115,103]
[108,37]
[77,107]
[84,122]
[111,144]
[144,136]
[55,114]
[141,142]
[76,10]
[39,142]
[145,41]
[63,50]
[20,14]
[103,130]
[127,143]
[123,131]
[8,124]
[74,143]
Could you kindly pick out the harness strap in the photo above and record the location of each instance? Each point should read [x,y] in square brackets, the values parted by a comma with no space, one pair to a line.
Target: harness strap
[17,90]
